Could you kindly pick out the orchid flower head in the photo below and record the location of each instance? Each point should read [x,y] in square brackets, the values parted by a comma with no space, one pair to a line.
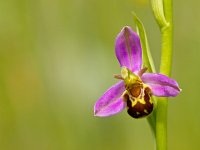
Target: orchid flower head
[135,89]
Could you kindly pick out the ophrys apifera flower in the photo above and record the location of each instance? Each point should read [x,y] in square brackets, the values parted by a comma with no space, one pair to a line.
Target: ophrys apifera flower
[136,87]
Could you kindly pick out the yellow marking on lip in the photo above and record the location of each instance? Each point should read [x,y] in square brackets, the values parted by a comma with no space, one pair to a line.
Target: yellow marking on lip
[142,101]
[150,101]
[145,111]
[133,103]
[137,113]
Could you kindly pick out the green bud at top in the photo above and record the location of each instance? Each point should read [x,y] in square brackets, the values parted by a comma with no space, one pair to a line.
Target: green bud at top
[157,6]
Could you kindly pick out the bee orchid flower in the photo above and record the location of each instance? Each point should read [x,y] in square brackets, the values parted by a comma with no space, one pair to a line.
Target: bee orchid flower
[135,89]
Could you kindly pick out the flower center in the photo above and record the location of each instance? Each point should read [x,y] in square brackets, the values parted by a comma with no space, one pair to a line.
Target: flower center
[137,95]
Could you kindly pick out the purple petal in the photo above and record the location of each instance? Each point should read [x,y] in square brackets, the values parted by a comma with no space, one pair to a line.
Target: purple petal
[111,102]
[161,85]
[128,49]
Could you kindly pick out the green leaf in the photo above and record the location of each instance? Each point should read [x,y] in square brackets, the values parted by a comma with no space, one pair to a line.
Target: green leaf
[146,54]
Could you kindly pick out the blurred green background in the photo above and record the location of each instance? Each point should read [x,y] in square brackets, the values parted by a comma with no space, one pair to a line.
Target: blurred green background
[57,58]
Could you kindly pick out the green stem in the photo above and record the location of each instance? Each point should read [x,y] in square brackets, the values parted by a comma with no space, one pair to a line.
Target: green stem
[166,57]
[165,68]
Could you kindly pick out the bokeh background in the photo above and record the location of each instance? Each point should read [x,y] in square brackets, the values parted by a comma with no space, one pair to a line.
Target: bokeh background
[56,60]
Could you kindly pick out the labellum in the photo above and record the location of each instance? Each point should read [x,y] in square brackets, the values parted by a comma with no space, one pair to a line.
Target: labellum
[137,94]
[138,99]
